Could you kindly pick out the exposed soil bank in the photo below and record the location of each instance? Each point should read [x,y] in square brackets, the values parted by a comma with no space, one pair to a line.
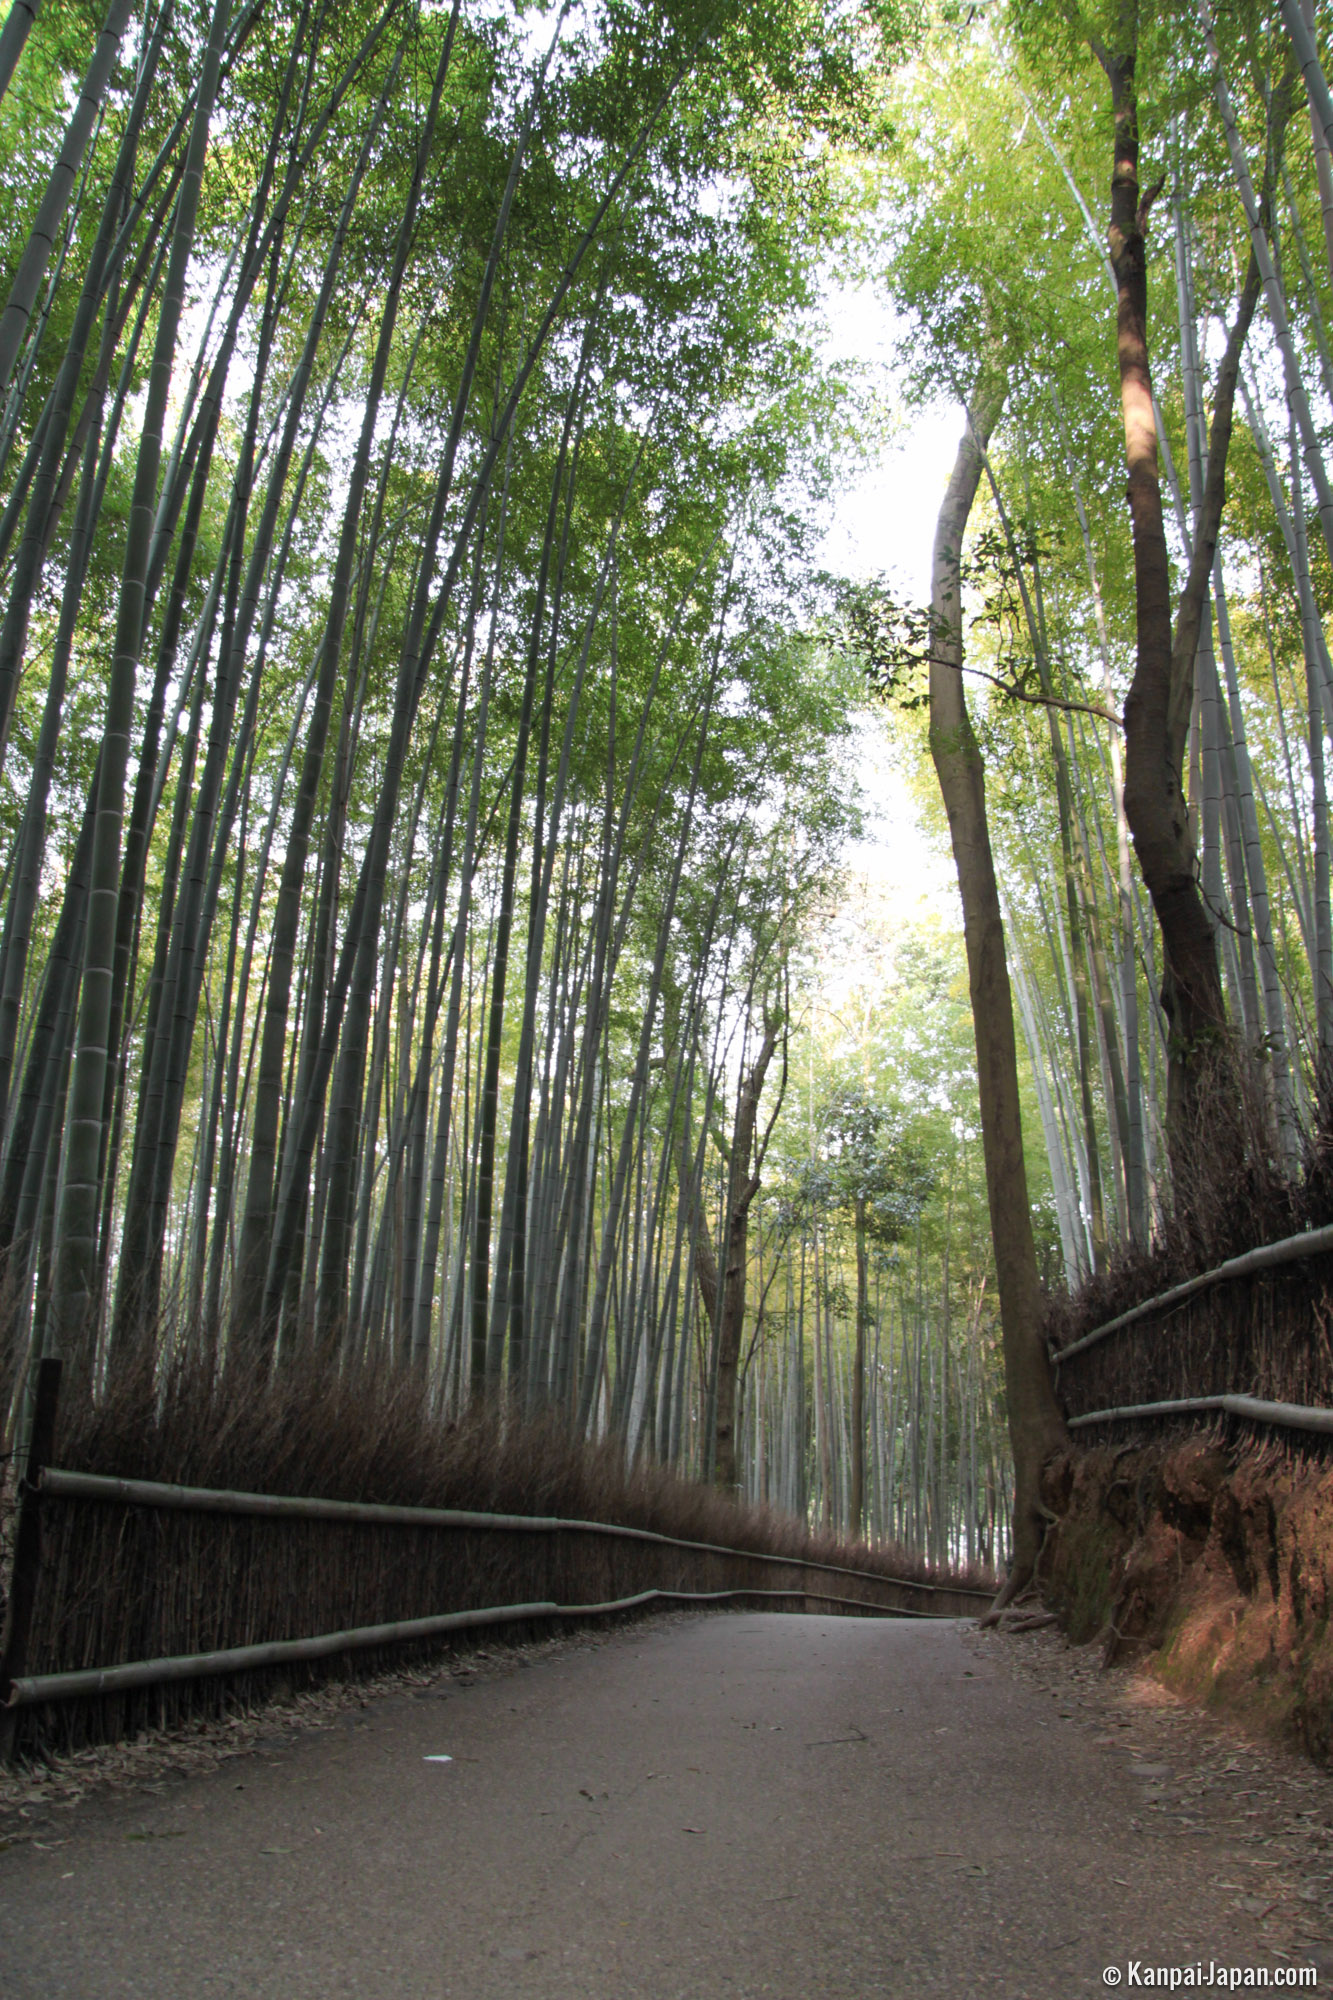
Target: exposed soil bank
[1212,1564]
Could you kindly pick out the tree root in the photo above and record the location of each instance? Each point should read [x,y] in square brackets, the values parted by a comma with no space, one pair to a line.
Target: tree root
[1020,1585]
[1018,1588]
[1017,1607]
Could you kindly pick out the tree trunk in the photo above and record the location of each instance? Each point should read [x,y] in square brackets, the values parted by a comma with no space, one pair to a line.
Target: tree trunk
[742,1187]
[1158,704]
[1036,1428]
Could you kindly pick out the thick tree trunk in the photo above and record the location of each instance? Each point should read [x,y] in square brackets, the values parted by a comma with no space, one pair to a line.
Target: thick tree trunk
[19,20]
[1036,1428]
[1158,705]
[742,1187]
[1155,804]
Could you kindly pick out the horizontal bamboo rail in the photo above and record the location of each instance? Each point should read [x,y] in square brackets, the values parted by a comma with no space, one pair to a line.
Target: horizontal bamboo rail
[277,1506]
[240,1659]
[1289,1250]
[1292,1416]
[45,1483]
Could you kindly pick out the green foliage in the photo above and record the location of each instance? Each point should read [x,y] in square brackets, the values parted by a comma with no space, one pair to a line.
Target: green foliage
[894,641]
[868,1163]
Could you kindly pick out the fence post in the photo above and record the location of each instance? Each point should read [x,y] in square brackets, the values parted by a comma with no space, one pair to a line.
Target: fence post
[27,1548]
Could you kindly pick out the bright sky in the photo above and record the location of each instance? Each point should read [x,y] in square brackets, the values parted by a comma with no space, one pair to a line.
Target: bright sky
[885,522]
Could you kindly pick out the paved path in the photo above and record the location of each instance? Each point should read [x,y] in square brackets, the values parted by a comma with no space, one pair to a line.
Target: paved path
[696,1809]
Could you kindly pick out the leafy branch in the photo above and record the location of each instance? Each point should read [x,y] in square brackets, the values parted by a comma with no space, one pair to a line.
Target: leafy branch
[897,642]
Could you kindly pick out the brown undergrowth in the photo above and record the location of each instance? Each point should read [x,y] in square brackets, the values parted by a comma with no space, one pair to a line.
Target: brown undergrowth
[1209,1555]
[373,1435]
[1231,1191]
[1270,1335]
[1267,1335]
[1213,1565]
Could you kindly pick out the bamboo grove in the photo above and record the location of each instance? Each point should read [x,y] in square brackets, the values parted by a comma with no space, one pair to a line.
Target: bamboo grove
[428,750]
[412,785]
[998,252]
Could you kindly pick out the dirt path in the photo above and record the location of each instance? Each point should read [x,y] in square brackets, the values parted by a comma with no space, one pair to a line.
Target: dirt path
[693,1808]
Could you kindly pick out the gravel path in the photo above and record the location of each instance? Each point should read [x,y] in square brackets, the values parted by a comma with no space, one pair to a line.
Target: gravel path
[693,1808]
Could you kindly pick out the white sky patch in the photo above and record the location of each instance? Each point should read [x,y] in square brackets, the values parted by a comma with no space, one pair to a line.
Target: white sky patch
[897,876]
[883,522]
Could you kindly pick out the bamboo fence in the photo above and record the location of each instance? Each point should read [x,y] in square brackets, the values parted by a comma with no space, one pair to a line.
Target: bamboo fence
[135,1602]
[1248,1340]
